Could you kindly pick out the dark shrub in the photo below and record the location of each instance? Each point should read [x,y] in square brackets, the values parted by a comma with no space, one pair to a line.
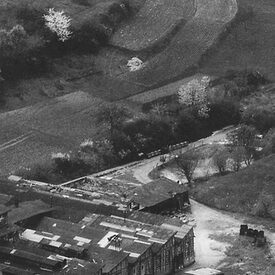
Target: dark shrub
[31,18]
[223,113]
[149,134]
[82,2]
[188,127]
[259,118]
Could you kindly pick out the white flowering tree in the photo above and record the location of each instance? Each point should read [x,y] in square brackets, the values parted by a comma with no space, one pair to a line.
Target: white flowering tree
[58,23]
[194,94]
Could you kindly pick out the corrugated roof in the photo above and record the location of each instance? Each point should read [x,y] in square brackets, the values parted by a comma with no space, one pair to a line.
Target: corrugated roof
[110,258]
[28,209]
[132,228]
[155,192]
[68,230]
[153,219]
[22,254]
[80,267]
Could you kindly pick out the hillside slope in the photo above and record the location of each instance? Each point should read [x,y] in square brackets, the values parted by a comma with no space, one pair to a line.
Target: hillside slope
[249,44]
[190,42]
[29,135]
[251,190]
[153,23]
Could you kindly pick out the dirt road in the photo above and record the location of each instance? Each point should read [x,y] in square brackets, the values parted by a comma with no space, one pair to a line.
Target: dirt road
[141,172]
[216,231]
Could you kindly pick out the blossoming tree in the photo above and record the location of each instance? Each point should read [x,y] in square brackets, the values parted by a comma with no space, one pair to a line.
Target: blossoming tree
[58,23]
[194,94]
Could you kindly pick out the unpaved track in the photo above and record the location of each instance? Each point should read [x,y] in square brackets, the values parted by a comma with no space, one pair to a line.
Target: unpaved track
[15,141]
[209,224]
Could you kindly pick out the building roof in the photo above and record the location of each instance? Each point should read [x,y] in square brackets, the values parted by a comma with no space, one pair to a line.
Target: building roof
[9,269]
[173,224]
[155,192]
[95,240]
[135,238]
[28,209]
[5,199]
[80,267]
[143,231]
[19,255]
[106,257]
[70,231]
[73,266]
[153,219]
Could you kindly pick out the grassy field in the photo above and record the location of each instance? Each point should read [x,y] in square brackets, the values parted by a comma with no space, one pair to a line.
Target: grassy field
[153,23]
[250,191]
[162,92]
[264,98]
[249,44]
[187,46]
[77,10]
[29,135]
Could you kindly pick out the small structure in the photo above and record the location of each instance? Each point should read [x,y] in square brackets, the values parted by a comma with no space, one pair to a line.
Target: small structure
[134,64]
[29,212]
[158,196]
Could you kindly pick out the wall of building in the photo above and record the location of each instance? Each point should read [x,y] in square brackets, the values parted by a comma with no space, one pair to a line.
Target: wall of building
[164,258]
[174,203]
[120,269]
[184,251]
[144,264]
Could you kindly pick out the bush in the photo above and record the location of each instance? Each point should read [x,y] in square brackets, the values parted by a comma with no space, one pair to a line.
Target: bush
[188,126]
[12,42]
[81,2]
[20,54]
[149,134]
[241,83]
[223,113]
[31,19]
[260,118]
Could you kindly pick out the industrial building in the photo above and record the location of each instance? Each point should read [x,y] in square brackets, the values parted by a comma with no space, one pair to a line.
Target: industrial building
[32,242]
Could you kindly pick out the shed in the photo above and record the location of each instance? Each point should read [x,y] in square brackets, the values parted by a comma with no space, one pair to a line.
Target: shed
[159,195]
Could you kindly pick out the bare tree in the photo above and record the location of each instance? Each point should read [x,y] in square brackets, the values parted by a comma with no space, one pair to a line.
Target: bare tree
[113,115]
[220,160]
[187,163]
[244,140]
